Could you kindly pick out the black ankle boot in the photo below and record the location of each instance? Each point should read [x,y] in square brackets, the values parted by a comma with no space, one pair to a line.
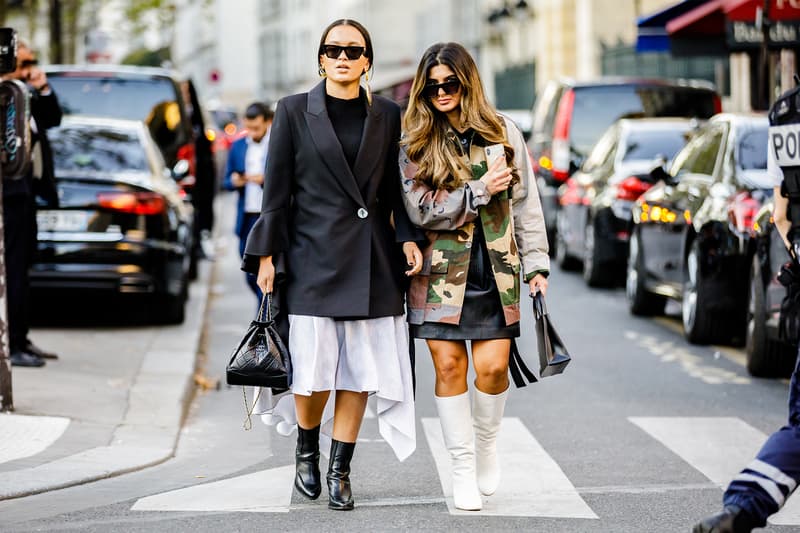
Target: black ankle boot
[339,494]
[732,519]
[307,478]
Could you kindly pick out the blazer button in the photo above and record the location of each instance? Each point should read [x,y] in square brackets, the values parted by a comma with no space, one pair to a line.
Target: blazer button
[362,213]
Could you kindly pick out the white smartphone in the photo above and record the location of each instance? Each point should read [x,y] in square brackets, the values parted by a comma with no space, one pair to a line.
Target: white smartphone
[493,153]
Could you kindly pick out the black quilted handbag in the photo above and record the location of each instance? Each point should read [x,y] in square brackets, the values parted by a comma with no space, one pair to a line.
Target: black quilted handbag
[262,358]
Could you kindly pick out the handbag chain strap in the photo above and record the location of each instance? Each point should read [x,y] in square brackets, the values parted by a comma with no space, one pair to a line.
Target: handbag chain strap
[248,421]
[266,300]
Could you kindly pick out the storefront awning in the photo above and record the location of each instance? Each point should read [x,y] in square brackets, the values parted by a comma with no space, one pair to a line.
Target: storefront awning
[718,27]
[651,29]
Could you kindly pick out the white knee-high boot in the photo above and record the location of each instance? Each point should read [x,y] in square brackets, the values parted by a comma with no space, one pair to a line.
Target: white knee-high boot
[459,439]
[487,413]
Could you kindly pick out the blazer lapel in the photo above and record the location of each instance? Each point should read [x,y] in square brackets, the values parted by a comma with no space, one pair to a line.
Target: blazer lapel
[328,146]
[370,152]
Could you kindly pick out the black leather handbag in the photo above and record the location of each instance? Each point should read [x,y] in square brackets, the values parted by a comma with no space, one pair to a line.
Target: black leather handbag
[553,355]
[262,358]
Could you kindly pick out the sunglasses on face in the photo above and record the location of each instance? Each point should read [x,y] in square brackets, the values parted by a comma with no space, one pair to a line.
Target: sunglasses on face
[26,63]
[333,51]
[450,87]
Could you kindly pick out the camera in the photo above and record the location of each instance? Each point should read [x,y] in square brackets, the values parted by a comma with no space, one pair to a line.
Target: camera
[8,50]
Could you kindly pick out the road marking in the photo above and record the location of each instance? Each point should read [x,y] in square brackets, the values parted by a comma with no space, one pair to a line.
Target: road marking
[532,482]
[718,447]
[268,491]
[23,436]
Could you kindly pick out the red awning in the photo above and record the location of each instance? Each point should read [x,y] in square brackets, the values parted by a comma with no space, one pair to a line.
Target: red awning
[707,19]
[745,10]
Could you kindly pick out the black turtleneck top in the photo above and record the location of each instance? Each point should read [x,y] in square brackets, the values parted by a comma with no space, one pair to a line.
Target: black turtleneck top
[347,117]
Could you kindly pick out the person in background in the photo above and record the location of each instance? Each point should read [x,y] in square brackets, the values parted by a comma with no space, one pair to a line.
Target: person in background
[332,210]
[480,217]
[20,199]
[244,173]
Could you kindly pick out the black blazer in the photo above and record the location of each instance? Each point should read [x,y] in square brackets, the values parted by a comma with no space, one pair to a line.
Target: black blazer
[341,254]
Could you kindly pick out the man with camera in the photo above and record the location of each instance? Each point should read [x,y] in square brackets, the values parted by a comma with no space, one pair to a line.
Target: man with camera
[762,488]
[19,209]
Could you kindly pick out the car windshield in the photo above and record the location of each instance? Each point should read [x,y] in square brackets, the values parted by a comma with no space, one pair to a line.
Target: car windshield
[647,145]
[97,149]
[753,150]
[131,99]
[596,108]
[222,118]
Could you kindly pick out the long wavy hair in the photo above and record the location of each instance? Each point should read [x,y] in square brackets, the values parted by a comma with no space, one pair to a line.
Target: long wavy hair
[428,138]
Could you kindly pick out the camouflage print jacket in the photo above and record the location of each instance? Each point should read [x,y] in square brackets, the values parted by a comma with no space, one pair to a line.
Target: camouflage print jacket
[512,228]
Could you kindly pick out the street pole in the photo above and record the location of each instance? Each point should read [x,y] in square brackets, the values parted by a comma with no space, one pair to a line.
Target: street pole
[6,397]
[763,90]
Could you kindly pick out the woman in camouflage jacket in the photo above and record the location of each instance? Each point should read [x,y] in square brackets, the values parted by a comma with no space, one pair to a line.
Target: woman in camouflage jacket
[478,219]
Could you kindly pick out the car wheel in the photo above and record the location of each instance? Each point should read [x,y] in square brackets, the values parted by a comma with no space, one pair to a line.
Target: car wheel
[700,326]
[563,258]
[172,307]
[641,302]
[595,273]
[766,357]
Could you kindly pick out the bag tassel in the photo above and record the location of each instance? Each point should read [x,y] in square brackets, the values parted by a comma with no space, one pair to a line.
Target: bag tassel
[518,368]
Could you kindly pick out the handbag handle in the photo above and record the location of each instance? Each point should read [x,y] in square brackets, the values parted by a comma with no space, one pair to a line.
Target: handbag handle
[266,299]
[539,306]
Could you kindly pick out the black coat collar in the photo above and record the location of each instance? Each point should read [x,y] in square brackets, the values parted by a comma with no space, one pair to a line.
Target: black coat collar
[322,133]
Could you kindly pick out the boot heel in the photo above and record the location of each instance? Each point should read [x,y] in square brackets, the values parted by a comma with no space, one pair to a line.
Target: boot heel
[340,496]
[307,476]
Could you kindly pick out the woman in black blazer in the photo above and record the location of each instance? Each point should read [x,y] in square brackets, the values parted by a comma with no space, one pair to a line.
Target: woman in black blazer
[332,209]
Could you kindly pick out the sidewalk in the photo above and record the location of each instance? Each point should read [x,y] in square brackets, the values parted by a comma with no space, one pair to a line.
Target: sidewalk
[113,403]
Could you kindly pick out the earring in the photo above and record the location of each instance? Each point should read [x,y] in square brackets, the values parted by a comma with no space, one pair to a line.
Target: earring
[321,71]
[369,90]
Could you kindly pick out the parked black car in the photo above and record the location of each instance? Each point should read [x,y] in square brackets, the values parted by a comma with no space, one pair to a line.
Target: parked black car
[122,225]
[768,354]
[170,107]
[693,231]
[569,117]
[594,221]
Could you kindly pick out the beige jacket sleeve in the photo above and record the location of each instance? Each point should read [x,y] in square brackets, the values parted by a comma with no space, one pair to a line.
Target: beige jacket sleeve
[526,208]
[439,210]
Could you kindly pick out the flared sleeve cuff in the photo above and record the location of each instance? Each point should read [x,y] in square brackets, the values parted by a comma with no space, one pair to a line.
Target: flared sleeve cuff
[269,237]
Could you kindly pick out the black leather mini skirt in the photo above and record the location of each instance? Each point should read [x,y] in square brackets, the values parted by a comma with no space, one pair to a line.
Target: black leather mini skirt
[482,315]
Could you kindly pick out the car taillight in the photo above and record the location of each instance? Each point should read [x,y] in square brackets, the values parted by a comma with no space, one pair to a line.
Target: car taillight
[631,188]
[742,211]
[186,152]
[137,203]
[560,150]
[717,104]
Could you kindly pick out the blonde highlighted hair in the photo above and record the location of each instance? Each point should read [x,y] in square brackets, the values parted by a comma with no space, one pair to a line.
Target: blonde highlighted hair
[428,139]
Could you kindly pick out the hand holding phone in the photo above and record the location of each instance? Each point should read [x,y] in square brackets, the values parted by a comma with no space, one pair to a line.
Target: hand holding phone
[498,177]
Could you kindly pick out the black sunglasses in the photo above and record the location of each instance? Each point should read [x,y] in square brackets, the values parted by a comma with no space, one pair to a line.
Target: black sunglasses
[25,63]
[333,51]
[449,87]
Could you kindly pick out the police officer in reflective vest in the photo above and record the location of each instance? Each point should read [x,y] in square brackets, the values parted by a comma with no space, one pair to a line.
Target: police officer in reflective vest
[762,488]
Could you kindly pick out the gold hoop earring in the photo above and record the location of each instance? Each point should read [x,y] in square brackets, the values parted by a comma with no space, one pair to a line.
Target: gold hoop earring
[321,71]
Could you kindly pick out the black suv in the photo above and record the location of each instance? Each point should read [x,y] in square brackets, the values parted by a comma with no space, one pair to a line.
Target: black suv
[167,103]
[569,117]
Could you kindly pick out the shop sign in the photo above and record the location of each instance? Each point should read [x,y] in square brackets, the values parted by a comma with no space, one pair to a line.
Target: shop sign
[742,35]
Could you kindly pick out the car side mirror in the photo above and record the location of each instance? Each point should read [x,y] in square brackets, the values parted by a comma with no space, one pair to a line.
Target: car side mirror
[180,170]
[659,174]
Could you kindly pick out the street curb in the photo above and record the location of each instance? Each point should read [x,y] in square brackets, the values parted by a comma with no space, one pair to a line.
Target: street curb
[157,404]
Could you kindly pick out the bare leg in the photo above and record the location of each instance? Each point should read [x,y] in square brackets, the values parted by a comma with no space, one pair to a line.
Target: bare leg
[310,408]
[450,361]
[490,358]
[348,414]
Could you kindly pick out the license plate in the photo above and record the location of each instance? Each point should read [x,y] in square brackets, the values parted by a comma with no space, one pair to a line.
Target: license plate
[63,220]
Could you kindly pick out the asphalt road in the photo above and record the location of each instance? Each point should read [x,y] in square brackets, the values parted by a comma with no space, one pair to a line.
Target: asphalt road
[639,434]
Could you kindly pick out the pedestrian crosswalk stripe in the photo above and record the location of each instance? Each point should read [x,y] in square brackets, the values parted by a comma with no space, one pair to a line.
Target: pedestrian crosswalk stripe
[532,483]
[718,447]
[23,436]
[267,491]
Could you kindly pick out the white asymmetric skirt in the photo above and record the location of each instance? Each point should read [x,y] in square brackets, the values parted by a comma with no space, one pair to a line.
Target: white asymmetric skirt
[369,355]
